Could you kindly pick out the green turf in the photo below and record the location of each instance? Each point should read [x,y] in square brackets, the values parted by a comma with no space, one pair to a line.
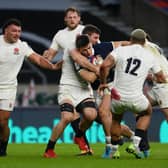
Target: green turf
[30,156]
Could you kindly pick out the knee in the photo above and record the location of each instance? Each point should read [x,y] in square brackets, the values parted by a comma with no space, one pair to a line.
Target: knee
[66,119]
[91,115]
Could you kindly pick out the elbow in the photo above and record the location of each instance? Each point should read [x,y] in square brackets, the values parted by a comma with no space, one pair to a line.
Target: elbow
[92,79]
[72,55]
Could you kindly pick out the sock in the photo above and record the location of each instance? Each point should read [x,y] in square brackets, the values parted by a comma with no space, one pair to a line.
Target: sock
[114,148]
[3,147]
[75,125]
[121,141]
[115,142]
[78,132]
[108,139]
[86,140]
[50,145]
[136,141]
[144,144]
[132,136]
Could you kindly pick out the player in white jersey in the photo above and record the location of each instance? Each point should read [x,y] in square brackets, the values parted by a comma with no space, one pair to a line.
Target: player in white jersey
[12,54]
[75,94]
[101,50]
[158,93]
[155,92]
[64,39]
[132,64]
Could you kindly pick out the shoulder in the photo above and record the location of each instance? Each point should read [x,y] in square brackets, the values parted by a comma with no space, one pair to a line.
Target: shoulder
[61,32]
[81,26]
[1,38]
[22,43]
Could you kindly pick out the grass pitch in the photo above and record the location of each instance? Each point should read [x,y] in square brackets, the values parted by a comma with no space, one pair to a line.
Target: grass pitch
[30,156]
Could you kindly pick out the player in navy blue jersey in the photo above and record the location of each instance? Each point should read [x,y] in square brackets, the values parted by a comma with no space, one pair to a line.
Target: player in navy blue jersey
[101,50]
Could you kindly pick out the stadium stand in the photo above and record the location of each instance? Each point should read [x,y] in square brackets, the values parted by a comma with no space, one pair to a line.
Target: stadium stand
[162,4]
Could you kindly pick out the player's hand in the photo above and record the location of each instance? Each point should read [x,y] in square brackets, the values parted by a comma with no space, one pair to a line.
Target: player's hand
[47,55]
[101,89]
[97,70]
[58,65]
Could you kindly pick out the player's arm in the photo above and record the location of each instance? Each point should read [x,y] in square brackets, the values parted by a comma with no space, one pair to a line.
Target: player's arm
[83,61]
[88,75]
[107,64]
[49,54]
[44,63]
[116,44]
[160,77]
[84,73]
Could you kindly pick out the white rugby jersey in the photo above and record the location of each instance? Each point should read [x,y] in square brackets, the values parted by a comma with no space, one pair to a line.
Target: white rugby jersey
[64,37]
[132,65]
[160,58]
[69,75]
[11,60]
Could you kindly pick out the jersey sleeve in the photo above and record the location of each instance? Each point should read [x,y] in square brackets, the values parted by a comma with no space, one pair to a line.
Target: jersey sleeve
[54,44]
[156,67]
[116,53]
[103,49]
[27,50]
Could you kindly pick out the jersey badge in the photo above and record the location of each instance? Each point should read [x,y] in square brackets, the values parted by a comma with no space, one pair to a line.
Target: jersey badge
[16,51]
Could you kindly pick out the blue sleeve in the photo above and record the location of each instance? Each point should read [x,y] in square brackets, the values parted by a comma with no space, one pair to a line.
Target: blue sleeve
[103,49]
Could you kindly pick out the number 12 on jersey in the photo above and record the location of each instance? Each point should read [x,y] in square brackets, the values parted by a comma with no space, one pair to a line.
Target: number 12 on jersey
[132,66]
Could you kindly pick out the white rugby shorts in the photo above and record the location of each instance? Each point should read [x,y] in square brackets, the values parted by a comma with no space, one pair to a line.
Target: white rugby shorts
[159,94]
[135,105]
[75,94]
[7,98]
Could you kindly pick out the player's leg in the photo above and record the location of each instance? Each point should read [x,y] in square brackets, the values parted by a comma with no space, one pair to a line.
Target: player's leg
[89,113]
[67,110]
[82,142]
[140,141]
[115,134]
[144,143]
[105,116]
[162,98]
[4,132]
[127,132]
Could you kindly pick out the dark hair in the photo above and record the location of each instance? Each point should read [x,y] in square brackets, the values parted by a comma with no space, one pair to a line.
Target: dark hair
[138,36]
[10,22]
[89,29]
[136,40]
[72,9]
[82,41]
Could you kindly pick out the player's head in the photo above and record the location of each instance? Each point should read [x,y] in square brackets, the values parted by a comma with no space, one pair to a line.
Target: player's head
[72,17]
[138,36]
[84,45]
[11,30]
[93,32]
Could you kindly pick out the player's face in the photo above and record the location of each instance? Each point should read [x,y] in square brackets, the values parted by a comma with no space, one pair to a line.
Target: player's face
[72,19]
[94,38]
[87,50]
[12,33]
